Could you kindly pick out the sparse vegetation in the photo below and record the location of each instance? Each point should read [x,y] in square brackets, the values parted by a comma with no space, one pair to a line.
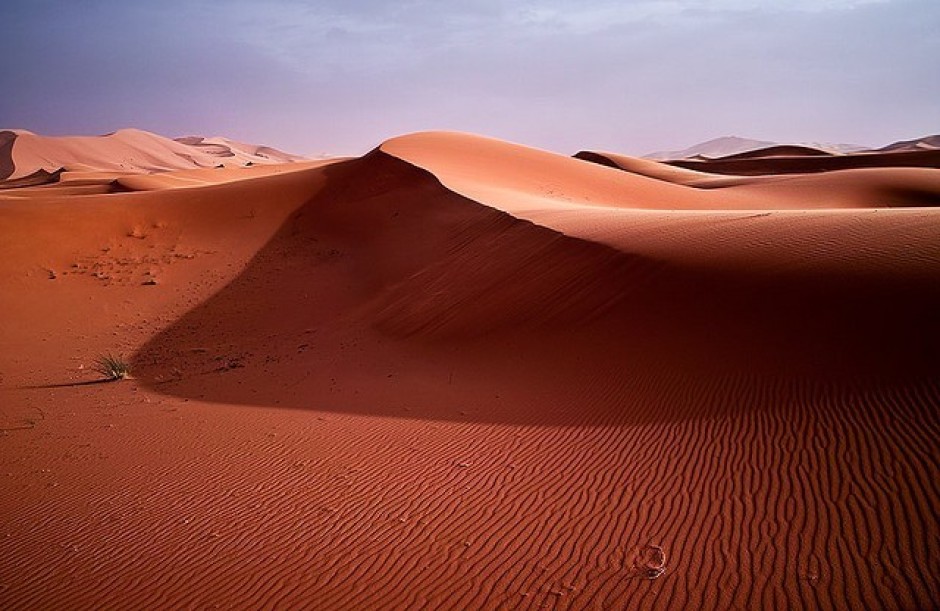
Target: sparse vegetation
[112,367]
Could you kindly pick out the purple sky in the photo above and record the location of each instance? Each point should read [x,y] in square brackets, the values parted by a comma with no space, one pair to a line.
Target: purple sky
[340,76]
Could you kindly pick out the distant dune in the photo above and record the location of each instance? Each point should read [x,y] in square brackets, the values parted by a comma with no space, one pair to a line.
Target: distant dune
[757,165]
[729,146]
[459,372]
[24,154]
[928,143]
[768,161]
[223,147]
[780,150]
[719,147]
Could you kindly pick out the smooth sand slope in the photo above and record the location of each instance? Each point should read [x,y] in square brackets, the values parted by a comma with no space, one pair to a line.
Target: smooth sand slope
[462,373]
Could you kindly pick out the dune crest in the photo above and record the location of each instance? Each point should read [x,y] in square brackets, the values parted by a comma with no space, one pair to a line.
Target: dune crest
[649,168]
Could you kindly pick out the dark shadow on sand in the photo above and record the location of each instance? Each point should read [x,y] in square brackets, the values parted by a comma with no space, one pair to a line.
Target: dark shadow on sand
[71,384]
[353,307]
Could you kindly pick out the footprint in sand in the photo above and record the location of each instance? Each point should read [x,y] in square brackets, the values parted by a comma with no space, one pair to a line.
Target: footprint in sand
[649,562]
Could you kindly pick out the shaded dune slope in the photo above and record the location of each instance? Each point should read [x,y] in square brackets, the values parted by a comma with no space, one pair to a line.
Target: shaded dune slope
[401,253]
[383,246]
[7,138]
[37,178]
[755,394]
[720,279]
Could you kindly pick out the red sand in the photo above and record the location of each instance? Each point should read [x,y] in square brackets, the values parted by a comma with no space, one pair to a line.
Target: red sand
[462,373]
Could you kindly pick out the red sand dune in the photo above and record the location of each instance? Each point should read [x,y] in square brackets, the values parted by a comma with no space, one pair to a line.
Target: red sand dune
[462,373]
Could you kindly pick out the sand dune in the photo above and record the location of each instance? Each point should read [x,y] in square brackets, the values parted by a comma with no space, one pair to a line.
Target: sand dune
[801,164]
[650,168]
[780,150]
[24,154]
[855,188]
[717,147]
[224,147]
[927,143]
[463,373]
[517,179]
[728,146]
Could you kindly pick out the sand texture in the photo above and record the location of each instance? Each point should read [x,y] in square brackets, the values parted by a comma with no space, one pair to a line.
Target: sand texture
[462,373]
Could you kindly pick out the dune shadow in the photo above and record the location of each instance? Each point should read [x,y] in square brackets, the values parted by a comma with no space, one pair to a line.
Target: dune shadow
[387,294]
[70,384]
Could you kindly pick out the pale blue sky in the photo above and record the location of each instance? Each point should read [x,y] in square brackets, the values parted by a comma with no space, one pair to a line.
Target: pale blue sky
[341,76]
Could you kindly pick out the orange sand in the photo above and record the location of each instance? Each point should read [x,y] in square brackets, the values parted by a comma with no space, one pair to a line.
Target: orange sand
[462,373]
[24,154]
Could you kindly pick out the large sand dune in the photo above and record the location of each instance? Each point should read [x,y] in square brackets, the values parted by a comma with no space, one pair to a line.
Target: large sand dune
[24,154]
[463,373]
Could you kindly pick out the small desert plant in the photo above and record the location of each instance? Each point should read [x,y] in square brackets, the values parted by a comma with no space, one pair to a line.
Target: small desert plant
[112,367]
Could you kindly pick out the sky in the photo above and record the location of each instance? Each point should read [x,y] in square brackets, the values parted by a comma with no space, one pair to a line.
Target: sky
[341,76]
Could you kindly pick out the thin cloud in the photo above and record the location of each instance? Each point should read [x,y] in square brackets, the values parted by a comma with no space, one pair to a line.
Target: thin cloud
[341,76]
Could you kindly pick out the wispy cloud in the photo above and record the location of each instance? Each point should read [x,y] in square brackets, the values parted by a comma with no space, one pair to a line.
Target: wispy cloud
[341,75]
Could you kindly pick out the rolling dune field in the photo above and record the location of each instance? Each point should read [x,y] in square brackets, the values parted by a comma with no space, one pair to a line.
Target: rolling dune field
[458,372]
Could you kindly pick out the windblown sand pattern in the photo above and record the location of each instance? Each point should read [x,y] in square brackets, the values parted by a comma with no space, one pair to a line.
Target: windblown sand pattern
[461,373]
